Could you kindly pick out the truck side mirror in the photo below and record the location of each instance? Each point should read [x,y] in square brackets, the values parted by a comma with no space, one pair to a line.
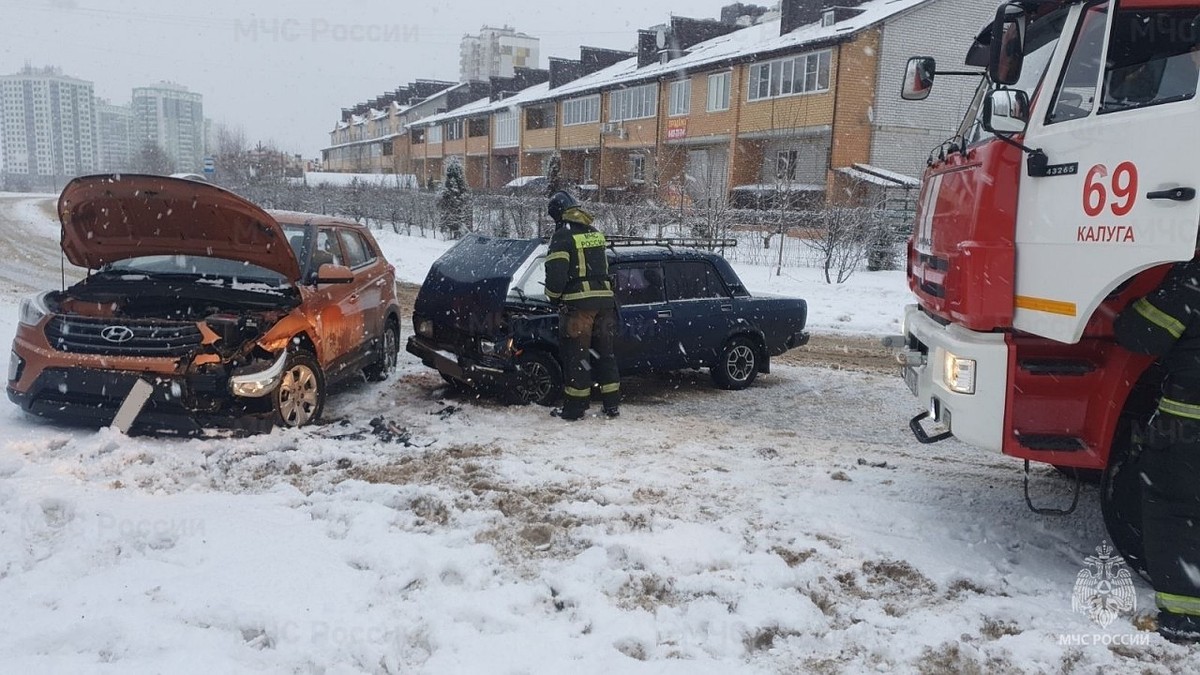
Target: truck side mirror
[918,78]
[1008,45]
[1006,111]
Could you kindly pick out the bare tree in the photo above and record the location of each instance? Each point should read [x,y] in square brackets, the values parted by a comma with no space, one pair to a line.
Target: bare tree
[843,241]
[232,157]
[152,159]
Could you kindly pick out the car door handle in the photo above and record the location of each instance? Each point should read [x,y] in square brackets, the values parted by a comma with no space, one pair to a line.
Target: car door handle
[664,313]
[354,297]
[727,307]
[1179,194]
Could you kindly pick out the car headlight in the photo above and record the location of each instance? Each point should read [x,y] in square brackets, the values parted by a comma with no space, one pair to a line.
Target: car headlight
[425,328]
[500,347]
[34,309]
[958,373]
[260,383]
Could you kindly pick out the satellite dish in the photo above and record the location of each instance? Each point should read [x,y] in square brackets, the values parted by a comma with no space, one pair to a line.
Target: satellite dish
[660,38]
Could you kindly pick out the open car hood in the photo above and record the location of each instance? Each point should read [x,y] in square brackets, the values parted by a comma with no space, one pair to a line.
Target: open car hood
[107,218]
[466,288]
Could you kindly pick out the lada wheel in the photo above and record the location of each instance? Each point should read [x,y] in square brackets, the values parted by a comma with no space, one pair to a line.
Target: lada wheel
[738,364]
[539,379]
[389,346]
[300,396]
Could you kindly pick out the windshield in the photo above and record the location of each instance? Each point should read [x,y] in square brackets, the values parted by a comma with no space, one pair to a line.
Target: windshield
[531,284]
[201,269]
[1040,43]
[298,237]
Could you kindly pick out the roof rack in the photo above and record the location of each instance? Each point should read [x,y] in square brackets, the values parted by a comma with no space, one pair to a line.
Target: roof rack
[669,242]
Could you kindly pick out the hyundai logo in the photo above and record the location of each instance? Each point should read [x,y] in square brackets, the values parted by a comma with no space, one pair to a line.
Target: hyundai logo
[117,334]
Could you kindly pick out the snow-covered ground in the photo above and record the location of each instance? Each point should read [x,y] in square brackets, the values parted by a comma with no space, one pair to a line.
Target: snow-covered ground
[794,527]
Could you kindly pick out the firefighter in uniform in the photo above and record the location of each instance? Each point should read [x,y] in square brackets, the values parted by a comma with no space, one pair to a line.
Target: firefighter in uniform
[1166,323]
[577,281]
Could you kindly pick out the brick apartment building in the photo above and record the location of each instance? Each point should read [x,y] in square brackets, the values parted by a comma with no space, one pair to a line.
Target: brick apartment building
[803,102]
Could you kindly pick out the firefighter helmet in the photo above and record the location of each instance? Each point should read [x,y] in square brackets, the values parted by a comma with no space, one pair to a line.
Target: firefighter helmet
[559,203]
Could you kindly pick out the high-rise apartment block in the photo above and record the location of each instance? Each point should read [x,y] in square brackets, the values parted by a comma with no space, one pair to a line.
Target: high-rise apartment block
[48,123]
[495,52]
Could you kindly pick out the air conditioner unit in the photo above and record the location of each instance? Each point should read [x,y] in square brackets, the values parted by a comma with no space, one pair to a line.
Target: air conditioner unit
[609,128]
[621,133]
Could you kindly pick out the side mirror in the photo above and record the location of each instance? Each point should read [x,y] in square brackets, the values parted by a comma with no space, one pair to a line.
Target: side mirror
[918,78]
[1008,45]
[334,274]
[1006,111]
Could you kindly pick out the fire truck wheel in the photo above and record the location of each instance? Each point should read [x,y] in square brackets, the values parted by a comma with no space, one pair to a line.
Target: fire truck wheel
[1121,499]
[1089,476]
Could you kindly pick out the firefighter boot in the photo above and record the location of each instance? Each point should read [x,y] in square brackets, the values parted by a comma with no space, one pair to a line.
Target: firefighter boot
[572,409]
[1181,628]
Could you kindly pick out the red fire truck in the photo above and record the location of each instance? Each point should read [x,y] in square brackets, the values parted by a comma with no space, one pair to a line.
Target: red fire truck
[1068,191]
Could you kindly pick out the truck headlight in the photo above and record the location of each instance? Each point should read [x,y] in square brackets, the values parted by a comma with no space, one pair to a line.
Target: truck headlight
[425,328]
[34,309]
[260,383]
[958,374]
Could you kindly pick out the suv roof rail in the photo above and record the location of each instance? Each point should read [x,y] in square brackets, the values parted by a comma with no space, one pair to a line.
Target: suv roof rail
[685,242]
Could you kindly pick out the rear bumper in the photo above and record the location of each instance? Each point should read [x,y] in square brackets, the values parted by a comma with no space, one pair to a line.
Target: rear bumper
[975,418]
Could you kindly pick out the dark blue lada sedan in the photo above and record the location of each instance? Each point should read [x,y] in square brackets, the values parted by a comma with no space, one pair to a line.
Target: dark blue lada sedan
[482,318]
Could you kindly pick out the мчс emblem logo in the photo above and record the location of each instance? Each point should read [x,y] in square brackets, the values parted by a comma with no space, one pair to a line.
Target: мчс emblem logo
[1104,587]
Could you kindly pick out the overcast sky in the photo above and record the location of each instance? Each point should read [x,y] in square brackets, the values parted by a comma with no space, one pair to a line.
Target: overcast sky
[283,70]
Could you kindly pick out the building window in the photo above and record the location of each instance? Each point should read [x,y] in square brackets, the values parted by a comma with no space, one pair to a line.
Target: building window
[637,169]
[802,74]
[718,91]
[633,103]
[681,98]
[454,130]
[828,18]
[387,148]
[507,131]
[584,110]
[418,136]
[435,134]
[540,117]
[477,127]
[589,170]
[785,164]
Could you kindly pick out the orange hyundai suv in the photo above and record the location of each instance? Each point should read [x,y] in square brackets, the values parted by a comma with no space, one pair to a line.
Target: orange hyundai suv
[201,309]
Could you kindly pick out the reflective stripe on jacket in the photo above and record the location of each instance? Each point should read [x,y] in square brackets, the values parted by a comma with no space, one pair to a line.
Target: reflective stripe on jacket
[577,268]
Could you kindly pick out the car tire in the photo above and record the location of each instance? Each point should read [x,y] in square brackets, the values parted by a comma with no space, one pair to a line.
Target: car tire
[389,349]
[738,364]
[300,397]
[539,379]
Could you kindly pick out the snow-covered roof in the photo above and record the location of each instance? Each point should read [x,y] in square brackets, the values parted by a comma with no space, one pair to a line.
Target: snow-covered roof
[780,187]
[377,114]
[399,180]
[483,105]
[878,176]
[363,141]
[760,39]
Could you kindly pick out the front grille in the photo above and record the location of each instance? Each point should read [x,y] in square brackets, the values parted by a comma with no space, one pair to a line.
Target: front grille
[149,338]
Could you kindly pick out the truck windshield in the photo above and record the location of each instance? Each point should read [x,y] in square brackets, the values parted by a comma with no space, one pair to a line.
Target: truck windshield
[1040,42]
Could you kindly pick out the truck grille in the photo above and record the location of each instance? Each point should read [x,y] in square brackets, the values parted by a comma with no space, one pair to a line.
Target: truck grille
[122,337]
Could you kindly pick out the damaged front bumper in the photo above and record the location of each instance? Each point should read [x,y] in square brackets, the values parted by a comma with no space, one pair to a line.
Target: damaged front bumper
[492,371]
[179,404]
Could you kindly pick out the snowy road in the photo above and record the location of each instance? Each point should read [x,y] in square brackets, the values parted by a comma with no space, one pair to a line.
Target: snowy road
[791,528]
